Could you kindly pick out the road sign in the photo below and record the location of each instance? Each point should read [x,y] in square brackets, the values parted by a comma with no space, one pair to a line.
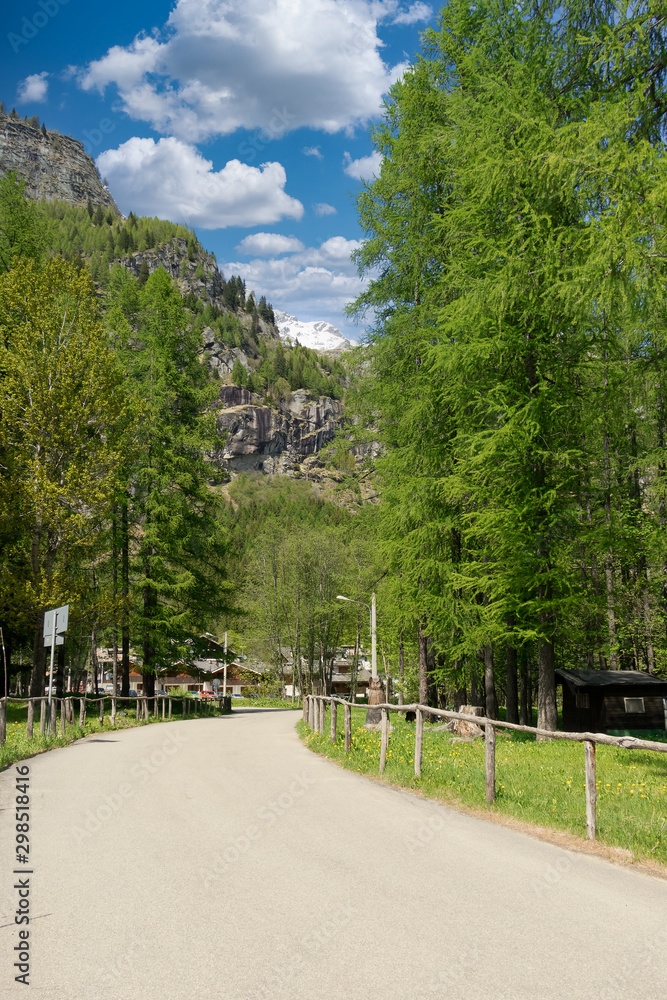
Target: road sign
[52,627]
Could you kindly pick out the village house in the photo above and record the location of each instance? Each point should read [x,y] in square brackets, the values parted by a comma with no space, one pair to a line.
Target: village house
[612,701]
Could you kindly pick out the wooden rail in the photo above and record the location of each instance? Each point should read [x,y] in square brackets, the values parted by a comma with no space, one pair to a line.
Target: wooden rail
[314,711]
[47,726]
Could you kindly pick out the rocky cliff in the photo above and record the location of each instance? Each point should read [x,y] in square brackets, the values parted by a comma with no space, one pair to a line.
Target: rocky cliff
[199,276]
[54,166]
[265,439]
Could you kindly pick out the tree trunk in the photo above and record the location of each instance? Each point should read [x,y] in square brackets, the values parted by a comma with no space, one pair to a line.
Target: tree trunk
[125,593]
[423,664]
[512,694]
[148,645]
[547,714]
[38,677]
[490,700]
[459,685]
[525,718]
[60,671]
[401,670]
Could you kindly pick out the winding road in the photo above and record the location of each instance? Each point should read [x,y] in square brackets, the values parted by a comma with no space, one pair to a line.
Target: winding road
[218,858]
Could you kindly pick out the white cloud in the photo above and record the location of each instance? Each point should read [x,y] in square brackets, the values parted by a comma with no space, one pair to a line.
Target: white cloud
[363,169]
[173,180]
[33,89]
[264,244]
[272,65]
[416,12]
[314,284]
[321,208]
[313,151]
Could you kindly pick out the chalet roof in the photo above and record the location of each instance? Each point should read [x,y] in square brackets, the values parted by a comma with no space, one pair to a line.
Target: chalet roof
[611,678]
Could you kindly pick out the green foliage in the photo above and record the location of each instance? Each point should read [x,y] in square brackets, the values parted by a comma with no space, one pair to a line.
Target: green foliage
[238,373]
[515,370]
[22,233]
[64,414]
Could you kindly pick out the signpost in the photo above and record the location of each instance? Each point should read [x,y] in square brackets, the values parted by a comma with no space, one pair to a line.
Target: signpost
[55,621]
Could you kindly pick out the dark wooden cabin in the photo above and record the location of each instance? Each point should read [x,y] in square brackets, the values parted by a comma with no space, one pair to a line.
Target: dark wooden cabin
[597,701]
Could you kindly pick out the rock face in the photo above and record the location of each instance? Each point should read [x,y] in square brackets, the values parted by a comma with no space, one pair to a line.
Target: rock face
[54,166]
[187,274]
[263,439]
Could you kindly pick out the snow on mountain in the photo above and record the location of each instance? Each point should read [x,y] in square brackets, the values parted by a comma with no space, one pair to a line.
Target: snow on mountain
[318,335]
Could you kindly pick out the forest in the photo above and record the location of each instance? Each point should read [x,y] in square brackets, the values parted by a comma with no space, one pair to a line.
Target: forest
[506,415]
[109,500]
[515,245]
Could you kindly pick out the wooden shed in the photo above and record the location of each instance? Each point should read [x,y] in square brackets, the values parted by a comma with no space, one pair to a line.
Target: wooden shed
[602,701]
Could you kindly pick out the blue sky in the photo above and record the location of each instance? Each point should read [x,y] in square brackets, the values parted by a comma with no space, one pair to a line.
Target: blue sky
[246,119]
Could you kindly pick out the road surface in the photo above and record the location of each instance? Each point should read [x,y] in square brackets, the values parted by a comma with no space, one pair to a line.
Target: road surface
[218,858]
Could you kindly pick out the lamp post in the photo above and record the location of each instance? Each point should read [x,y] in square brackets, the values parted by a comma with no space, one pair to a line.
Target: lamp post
[373,716]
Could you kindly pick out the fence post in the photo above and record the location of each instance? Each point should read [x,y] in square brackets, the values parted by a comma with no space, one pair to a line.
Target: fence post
[31,719]
[63,710]
[3,720]
[348,727]
[305,709]
[419,741]
[82,710]
[310,712]
[384,739]
[164,707]
[591,789]
[490,761]
[42,716]
[323,715]
[54,715]
[101,711]
[113,711]
[334,719]
[139,709]
[170,708]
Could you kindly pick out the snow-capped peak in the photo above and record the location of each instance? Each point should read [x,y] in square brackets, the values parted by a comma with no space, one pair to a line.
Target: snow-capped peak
[318,335]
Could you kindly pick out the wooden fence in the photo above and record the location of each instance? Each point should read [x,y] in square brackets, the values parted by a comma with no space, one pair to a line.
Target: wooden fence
[64,707]
[314,714]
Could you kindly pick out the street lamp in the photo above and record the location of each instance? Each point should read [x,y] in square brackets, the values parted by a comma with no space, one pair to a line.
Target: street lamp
[375,686]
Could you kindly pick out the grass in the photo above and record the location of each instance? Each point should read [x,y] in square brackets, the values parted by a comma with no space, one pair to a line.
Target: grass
[267,703]
[18,747]
[538,783]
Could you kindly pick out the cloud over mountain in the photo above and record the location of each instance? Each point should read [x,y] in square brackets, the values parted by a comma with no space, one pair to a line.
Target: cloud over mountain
[314,283]
[171,179]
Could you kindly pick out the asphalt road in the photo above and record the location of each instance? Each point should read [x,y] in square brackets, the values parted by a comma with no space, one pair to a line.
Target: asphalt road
[218,858]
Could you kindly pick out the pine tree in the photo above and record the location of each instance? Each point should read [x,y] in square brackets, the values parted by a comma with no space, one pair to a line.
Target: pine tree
[176,560]
[238,373]
[279,362]
[144,272]
[510,334]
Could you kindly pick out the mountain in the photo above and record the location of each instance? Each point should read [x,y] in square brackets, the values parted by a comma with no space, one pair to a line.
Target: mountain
[276,410]
[54,166]
[318,335]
